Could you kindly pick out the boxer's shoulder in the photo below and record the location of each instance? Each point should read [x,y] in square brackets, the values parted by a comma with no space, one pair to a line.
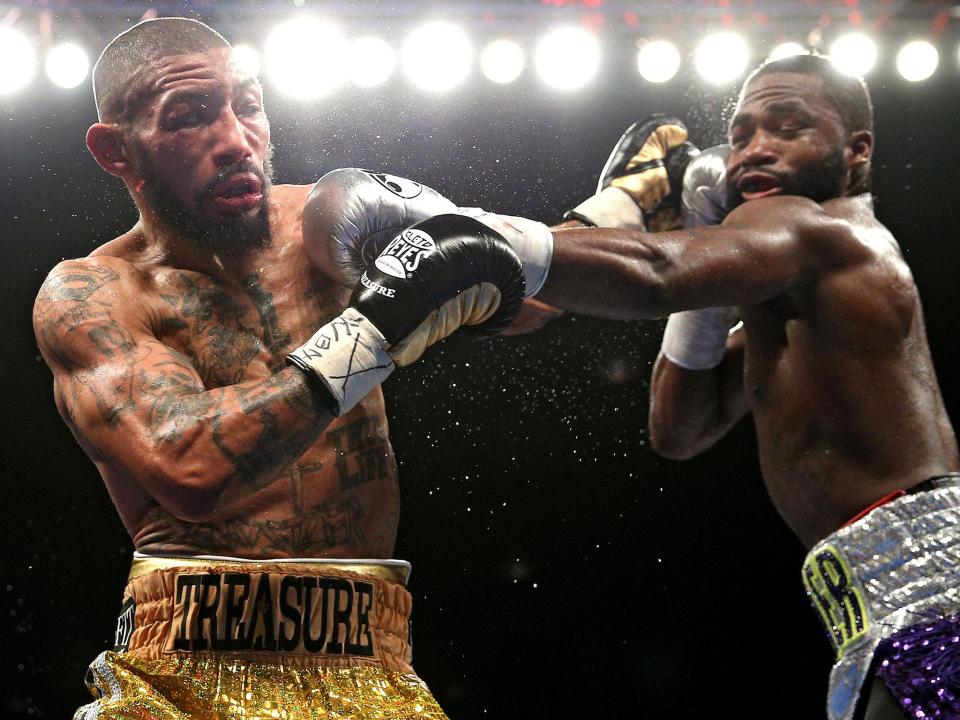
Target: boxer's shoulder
[837,232]
[88,279]
[289,196]
[286,204]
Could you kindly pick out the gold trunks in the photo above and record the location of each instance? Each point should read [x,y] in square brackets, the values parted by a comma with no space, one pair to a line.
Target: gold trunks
[228,637]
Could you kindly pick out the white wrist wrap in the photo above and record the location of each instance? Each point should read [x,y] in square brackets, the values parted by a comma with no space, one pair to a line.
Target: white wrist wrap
[348,355]
[611,208]
[695,339]
[532,241]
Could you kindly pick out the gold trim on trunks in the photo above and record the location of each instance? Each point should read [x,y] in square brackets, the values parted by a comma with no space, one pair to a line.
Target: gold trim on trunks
[389,570]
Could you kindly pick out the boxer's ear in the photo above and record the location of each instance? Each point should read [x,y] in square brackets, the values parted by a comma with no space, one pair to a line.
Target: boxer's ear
[860,143]
[105,143]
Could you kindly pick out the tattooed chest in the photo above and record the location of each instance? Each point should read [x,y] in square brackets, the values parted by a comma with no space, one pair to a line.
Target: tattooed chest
[233,333]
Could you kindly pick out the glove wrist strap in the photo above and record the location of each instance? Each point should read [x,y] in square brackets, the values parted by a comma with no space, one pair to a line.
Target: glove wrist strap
[348,356]
[531,240]
[696,339]
[611,207]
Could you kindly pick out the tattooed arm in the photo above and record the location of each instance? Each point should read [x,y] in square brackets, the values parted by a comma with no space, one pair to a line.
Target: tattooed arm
[139,406]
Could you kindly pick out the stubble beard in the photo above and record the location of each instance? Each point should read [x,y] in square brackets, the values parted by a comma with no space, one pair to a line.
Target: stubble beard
[226,238]
[819,182]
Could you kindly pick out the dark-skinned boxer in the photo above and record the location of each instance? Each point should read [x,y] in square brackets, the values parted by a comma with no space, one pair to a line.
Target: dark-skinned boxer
[856,448]
[832,360]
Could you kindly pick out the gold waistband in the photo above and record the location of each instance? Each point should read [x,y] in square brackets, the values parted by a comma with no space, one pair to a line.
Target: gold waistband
[390,570]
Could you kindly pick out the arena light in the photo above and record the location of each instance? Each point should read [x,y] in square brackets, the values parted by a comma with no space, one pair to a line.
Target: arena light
[436,57]
[18,61]
[372,61]
[304,58]
[785,50]
[567,58]
[247,59]
[658,61]
[917,60]
[502,61]
[67,65]
[721,57]
[854,54]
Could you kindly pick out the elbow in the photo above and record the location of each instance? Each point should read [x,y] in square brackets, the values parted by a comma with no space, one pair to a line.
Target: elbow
[671,445]
[187,491]
[671,435]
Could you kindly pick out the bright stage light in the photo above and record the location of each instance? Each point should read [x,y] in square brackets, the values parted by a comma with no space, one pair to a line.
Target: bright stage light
[502,61]
[917,60]
[721,57]
[305,58]
[372,61]
[67,65]
[567,58]
[18,61]
[658,61]
[785,50]
[437,56]
[854,54]
[247,59]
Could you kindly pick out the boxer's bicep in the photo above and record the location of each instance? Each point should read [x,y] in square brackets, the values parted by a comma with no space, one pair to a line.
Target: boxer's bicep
[111,376]
[735,265]
[762,249]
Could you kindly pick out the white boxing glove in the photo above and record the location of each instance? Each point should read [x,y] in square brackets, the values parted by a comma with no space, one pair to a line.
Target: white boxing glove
[696,339]
[704,197]
[353,214]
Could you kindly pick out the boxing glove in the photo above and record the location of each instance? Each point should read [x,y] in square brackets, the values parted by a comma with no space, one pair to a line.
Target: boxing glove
[351,214]
[447,272]
[704,195]
[640,184]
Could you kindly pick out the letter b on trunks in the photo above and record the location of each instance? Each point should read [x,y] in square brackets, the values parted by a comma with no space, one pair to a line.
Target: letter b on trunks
[834,593]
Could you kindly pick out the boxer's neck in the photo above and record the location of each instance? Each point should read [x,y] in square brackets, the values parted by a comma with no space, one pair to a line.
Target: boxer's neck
[163,246]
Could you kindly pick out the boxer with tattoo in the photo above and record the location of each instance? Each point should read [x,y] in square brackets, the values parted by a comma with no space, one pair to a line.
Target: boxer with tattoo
[226,386]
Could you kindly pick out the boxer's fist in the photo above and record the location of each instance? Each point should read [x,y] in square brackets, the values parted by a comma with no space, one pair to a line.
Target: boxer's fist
[351,215]
[447,272]
[705,188]
[444,273]
[640,184]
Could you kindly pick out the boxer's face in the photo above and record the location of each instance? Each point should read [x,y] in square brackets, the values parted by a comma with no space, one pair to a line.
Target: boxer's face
[200,144]
[787,140]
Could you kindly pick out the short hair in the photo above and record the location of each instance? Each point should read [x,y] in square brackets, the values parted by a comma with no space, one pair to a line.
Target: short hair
[129,53]
[848,94]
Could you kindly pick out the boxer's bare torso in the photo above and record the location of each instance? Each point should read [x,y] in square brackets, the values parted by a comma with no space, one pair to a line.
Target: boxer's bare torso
[167,373]
[838,375]
[832,360]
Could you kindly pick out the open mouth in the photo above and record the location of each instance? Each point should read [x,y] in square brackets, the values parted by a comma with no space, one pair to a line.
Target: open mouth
[755,185]
[240,192]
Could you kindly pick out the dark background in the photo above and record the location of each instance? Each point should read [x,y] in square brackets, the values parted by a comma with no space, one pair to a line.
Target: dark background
[560,567]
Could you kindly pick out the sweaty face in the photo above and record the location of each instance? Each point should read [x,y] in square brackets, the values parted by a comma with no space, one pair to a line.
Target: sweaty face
[201,147]
[787,140]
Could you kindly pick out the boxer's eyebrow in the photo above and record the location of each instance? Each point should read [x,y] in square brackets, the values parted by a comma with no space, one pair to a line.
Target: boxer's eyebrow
[741,119]
[250,83]
[791,107]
